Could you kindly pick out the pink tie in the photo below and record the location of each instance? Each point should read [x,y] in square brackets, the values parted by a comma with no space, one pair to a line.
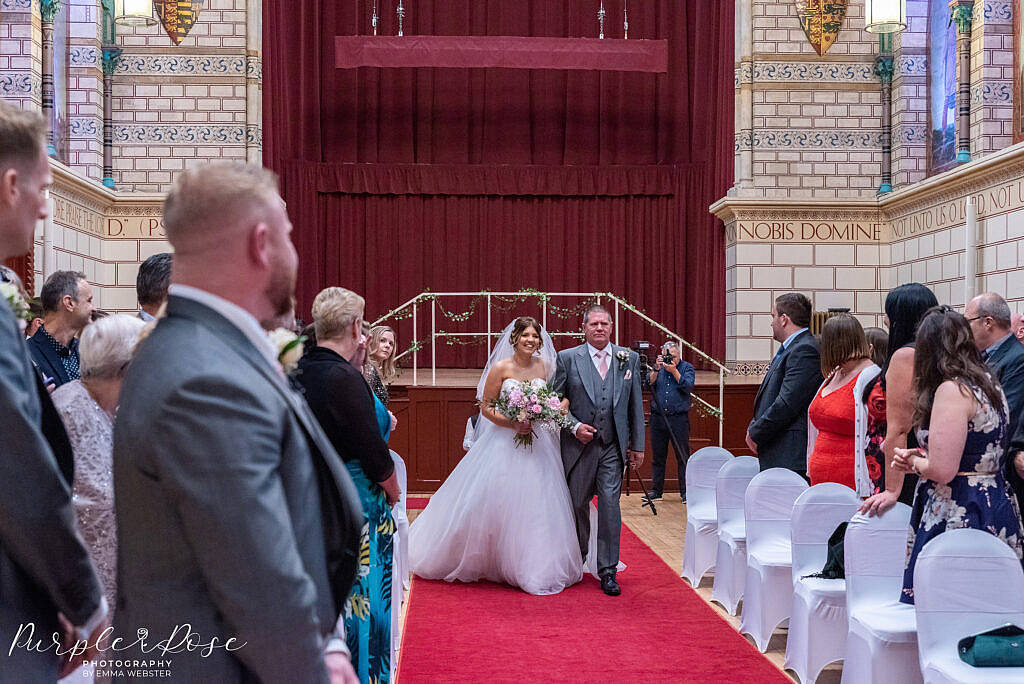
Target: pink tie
[603,367]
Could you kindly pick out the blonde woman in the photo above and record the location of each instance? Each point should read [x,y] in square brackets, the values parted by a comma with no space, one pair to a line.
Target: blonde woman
[344,406]
[380,361]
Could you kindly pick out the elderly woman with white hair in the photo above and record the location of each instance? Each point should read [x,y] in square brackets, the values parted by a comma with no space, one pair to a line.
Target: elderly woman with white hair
[87,407]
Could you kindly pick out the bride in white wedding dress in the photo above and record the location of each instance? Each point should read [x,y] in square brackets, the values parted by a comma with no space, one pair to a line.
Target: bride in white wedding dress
[504,513]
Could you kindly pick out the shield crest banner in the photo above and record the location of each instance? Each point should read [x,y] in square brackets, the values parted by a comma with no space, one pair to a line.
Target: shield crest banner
[821,20]
[178,16]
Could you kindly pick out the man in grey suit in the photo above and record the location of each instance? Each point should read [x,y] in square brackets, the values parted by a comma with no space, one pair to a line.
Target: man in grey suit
[44,566]
[602,383]
[235,515]
[778,433]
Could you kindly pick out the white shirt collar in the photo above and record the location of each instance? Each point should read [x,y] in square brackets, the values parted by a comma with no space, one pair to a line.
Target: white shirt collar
[998,343]
[236,315]
[789,340]
[592,350]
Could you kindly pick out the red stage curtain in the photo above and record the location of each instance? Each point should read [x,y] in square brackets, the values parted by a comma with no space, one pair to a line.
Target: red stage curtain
[579,180]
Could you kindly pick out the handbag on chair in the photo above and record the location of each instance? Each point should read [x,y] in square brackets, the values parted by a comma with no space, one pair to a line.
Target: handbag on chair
[835,561]
[999,647]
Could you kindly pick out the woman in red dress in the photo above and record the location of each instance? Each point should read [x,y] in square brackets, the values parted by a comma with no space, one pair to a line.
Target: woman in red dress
[837,419]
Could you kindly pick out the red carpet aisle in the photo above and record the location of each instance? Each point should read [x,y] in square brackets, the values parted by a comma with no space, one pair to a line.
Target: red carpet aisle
[659,630]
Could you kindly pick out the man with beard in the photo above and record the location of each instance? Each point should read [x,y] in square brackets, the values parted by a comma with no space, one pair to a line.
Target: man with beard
[235,514]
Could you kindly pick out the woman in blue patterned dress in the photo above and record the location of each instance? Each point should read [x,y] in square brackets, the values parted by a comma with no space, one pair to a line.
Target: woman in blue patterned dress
[344,405]
[962,420]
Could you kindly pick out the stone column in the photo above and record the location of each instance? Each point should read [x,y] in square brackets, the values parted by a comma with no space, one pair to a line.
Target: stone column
[111,55]
[884,71]
[744,116]
[48,10]
[961,14]
[254,82]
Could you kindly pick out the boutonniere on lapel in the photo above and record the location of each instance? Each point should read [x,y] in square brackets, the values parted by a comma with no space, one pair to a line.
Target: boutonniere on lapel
[289,347]
[623,357]
[19,307]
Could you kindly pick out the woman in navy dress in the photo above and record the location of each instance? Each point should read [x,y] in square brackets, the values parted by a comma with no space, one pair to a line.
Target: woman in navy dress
[962,420]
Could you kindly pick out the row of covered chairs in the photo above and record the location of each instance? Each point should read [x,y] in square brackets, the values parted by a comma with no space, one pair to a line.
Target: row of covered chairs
[763,533]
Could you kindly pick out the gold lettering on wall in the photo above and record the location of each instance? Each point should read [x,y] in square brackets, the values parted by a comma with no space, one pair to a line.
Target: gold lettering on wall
[990,202]
[825,231]
[135,227]
[71,215]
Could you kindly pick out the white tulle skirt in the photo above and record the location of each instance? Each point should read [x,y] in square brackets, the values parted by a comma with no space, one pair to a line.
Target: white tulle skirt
[504,515]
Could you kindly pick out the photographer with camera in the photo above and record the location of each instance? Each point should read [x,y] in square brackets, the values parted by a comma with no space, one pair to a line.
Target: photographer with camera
[671,381]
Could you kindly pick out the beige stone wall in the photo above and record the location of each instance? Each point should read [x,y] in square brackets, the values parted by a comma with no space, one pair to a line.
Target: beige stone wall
[173,105]
[105,235]
[176,106]
[812,124]
[20,53]
[833,255]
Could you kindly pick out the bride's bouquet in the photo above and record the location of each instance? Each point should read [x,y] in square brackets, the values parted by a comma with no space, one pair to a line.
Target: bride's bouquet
[533,402]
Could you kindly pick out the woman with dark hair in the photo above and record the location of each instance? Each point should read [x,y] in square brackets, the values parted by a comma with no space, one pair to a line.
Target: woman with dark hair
[836,420]
[892,397]
[962,420]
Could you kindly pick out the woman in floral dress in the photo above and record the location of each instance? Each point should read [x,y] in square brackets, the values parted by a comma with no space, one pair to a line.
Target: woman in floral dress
[962,419]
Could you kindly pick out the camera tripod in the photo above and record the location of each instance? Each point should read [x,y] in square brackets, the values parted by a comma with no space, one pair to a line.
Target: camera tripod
[655,409]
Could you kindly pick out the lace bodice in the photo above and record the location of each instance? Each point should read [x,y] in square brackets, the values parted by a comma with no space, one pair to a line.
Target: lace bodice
[92,440]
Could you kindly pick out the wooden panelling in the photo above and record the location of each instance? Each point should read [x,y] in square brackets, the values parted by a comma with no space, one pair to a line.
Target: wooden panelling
[432,423]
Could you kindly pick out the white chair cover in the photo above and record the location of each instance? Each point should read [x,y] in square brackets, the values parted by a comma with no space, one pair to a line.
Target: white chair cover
[965,582]
[881,645]
[701,514]
[731,555]
[400,565]
[817,623]
[768,584]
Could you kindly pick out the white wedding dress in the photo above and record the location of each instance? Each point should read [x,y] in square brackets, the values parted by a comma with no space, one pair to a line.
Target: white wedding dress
[504,515]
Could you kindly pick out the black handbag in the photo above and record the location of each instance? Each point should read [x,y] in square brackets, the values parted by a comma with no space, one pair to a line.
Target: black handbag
[834,562]
[999,647]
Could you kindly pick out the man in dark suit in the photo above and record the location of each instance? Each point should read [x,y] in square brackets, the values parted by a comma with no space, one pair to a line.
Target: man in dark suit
[44,567]
[778,433]
[235,514]
[151,284]
[67,308]
[989,316]
[991,324]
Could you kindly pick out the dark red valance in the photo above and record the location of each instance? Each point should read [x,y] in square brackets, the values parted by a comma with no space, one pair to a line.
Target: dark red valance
[494,179]
[501,52]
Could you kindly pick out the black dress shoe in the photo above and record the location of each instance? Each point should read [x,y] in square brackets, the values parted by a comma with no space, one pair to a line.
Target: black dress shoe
[651,497]
[610,586]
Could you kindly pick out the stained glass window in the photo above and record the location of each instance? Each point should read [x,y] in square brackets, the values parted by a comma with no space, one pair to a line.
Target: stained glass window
[942,87]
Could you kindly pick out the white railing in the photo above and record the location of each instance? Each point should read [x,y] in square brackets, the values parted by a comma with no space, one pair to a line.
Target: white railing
[410,309]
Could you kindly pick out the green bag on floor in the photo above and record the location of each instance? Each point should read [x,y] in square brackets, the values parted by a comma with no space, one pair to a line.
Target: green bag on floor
[999,647]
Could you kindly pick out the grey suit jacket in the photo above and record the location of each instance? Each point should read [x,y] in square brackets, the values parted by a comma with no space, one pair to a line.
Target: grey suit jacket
[219,508]
[779,427]
[44,566]
[572,381]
